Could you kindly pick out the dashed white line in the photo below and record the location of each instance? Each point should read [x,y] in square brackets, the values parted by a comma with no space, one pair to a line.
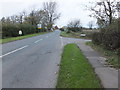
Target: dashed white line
[38,41]
[14,51]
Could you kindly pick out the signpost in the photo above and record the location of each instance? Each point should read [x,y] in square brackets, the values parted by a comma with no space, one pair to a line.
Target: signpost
[39,26]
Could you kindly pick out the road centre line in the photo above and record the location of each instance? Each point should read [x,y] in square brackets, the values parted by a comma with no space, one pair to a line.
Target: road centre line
[14,51]
[38,41]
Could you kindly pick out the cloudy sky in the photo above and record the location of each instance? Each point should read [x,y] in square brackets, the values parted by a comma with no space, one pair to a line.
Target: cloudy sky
[69,9]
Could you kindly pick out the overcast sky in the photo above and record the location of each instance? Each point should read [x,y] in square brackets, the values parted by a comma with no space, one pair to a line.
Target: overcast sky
[69,9]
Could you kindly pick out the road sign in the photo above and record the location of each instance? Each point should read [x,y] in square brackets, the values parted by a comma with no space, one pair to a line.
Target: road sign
[39,26]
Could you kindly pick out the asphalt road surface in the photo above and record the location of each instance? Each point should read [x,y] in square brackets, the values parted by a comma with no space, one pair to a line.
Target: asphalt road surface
[31,62]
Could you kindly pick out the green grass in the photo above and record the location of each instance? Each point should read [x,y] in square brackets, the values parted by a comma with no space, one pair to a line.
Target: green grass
[64,34]
[20,37]
[73,35]
[112,57]
[75,71]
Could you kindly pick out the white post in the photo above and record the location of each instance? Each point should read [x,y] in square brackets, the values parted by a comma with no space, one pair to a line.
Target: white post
[20,32]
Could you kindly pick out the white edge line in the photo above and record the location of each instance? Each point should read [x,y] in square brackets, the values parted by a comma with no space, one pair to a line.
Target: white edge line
[14,51]
[61,41]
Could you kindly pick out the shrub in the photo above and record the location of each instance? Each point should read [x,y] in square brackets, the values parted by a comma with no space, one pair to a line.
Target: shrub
[97,38]
[109,36]
[62,29]
[11,30]
[28,29]
[74,29]
[118,51]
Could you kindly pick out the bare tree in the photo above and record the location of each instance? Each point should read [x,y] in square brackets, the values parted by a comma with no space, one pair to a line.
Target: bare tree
[50,9]
[3,20]
[14,19]
[90,24]
[22,16]
[18,18]
[74,23]
[8,20]
[104,11]
[32,18]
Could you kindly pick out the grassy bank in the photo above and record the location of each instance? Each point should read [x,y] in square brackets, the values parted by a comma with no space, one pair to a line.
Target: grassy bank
[75,71]
[112,57]
[20,37]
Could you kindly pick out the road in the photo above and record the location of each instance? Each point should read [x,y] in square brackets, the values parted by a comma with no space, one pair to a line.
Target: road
[31,62]
[34,62]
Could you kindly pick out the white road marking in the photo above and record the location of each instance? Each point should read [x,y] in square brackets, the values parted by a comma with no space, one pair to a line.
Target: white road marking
[14,51]
[38,41]
[46,36]
[61,41]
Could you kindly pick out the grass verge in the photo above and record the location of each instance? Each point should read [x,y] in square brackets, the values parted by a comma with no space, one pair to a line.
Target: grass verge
[73,35]
[64,34]
[20,37]
[111,56]
[75,71]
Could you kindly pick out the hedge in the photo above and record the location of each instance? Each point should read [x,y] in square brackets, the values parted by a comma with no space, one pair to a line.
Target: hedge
[109,37]
[74,29]
[11,30]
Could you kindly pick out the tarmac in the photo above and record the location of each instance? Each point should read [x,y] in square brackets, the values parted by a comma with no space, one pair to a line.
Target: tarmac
[107,75]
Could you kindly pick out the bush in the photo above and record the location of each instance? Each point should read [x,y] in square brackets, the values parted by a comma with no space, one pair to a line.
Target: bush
[74,29]
[62,29]
[109,36]
[28,29]
[11,30]
[111,40]
[97,38]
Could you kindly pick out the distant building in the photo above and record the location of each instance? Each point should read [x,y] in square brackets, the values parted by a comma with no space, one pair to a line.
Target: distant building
[56,27]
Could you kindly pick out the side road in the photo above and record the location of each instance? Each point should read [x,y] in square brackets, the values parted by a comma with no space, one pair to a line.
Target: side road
[107,75]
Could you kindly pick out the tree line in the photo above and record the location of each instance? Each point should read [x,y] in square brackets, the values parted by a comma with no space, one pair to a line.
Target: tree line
[27,23]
